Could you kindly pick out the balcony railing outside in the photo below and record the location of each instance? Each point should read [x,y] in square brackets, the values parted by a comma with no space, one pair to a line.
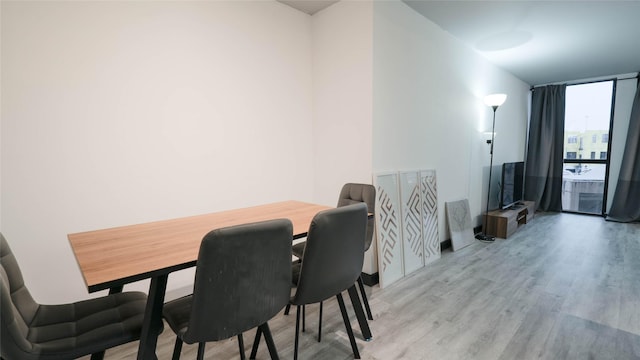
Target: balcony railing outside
[583,188]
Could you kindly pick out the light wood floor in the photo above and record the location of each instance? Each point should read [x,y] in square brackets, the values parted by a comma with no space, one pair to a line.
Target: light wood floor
[563,287]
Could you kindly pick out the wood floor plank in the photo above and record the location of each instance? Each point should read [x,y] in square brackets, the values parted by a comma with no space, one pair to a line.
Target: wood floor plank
[534,331]
[564,286]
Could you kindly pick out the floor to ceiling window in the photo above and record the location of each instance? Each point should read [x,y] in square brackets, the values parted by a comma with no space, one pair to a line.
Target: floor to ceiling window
[588,123]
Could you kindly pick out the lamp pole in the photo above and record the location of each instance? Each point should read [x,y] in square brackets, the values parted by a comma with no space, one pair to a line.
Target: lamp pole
[494,101]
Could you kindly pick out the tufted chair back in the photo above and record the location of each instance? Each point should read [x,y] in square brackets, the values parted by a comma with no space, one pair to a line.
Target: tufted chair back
[352,193]
[17,305]
[32,331]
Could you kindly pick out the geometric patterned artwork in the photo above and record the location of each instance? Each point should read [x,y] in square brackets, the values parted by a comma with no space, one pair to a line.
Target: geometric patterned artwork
[413,248]
[388,228]
[429,211]
[459,218]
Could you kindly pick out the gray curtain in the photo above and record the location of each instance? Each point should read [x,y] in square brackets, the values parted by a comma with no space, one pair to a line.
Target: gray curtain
[626,200]
[543,173]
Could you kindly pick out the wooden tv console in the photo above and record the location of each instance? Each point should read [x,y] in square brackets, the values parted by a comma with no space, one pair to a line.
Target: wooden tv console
[503,223]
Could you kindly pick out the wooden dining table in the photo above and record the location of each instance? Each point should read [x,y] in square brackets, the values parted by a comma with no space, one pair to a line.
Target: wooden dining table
[110,258]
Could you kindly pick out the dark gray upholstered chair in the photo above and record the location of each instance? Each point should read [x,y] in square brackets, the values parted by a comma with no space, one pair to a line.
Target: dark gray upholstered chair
[229,297]
[31,331]
[332,261]
[352,193]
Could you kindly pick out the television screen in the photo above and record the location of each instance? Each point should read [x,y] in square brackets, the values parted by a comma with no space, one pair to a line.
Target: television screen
[512,181]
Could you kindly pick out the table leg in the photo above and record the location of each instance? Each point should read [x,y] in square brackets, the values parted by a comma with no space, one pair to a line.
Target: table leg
[152,318]
[360,315]
[116,289]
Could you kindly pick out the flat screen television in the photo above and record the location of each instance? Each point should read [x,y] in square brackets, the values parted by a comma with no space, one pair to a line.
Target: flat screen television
[511,191]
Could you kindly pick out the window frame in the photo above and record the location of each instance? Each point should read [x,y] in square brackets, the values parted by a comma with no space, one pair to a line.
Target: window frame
[607,160]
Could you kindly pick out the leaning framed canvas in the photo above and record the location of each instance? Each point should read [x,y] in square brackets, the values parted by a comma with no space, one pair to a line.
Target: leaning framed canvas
[429,212]
[459,220]
[388,228]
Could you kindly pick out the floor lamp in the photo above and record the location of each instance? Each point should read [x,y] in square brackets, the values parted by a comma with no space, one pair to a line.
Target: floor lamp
[493,100]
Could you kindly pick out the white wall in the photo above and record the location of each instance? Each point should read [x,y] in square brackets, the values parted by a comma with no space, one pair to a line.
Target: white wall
[343,101]
[1,119]
[428,108]
[343,96]
[116,113]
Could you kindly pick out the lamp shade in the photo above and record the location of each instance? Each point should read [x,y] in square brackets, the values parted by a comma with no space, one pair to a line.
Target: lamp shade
[495,100]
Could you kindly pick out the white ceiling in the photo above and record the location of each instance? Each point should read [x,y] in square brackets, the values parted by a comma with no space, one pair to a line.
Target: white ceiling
[542,42]
[539,42]
[309,6]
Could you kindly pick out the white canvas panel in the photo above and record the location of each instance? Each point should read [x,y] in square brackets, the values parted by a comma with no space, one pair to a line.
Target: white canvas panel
[429,212]
[388,228]
[411,221]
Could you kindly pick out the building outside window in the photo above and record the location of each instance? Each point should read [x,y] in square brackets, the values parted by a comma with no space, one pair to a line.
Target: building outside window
[587,116]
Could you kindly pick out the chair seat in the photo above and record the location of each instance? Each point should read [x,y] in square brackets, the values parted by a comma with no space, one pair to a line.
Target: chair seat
[72,330]
[177,313]
[298,249]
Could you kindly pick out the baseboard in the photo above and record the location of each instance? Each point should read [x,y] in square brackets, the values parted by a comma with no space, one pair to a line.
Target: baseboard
[370,279]
[445,245]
